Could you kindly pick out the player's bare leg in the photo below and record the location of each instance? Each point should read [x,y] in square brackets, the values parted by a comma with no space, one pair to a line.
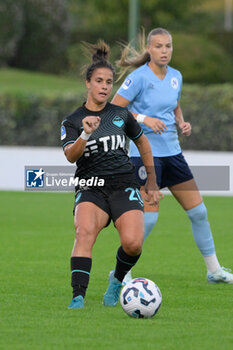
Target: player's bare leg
[151,213]
[89,219]
[130,228]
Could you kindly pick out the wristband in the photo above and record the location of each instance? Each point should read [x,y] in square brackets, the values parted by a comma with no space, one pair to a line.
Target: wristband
[85,136]
[140,118]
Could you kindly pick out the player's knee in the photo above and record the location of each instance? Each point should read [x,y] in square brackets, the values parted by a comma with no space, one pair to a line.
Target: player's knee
[133,247]
[198,213]
[84,234]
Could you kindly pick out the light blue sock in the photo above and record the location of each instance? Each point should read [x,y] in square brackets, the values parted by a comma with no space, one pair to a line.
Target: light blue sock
[201,229]
[150,220]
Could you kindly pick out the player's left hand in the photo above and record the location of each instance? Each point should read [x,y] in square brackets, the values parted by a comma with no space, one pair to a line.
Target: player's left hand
[185,128]
[153,195]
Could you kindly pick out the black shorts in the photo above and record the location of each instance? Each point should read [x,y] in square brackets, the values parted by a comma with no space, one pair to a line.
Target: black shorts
[119,194]
[170,171]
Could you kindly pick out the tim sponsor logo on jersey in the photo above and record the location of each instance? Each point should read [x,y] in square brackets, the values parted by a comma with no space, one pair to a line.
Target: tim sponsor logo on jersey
[127,83]
[112,142]
[35,178]
[174,83]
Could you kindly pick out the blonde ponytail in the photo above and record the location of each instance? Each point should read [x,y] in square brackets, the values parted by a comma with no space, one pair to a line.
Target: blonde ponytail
[132,58]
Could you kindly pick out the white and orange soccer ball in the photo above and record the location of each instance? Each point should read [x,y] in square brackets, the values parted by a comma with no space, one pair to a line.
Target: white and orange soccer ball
[141,298]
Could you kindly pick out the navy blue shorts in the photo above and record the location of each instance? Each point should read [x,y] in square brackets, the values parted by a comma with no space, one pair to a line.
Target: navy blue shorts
[170,171]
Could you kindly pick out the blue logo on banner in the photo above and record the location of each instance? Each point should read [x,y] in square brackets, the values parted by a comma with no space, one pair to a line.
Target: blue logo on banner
[35,178]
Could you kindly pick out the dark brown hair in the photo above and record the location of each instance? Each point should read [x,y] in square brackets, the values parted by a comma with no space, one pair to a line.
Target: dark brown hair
[100,53]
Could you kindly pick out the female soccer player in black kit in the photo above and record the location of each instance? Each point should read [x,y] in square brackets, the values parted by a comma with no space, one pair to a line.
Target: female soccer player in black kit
[94,136]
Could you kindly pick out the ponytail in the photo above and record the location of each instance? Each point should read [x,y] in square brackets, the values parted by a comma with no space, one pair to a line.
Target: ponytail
[132,58]
[100,53]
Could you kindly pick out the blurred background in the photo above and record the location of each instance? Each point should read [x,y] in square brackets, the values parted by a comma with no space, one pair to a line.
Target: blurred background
[41,61]
[40,83]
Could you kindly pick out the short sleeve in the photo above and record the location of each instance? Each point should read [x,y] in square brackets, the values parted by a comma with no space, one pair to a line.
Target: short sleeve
[180,87]
[131,87]
[69,133]
[133,129]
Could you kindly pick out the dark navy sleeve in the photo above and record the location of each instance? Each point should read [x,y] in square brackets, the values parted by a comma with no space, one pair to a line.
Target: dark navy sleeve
[133,129]
[69,133]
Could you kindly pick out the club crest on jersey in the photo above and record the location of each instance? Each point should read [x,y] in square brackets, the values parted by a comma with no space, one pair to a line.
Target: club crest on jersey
[174,83]
[118,121]
[127,83]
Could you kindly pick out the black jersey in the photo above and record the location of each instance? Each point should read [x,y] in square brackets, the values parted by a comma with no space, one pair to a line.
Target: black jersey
[106,149]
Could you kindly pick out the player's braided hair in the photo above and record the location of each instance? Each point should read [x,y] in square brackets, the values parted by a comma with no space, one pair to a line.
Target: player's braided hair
[132,58]
[100,53]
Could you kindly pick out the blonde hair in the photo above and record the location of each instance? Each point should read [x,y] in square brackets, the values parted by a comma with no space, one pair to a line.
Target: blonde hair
[132,58]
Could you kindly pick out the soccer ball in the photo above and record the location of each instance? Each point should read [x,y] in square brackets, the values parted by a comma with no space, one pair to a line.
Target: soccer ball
[141,298]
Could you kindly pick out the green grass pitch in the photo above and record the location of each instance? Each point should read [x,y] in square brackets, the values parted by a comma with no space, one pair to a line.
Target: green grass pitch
[36,241]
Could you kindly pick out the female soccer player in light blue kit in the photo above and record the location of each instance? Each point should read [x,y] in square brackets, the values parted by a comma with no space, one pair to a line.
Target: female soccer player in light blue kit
[152,93]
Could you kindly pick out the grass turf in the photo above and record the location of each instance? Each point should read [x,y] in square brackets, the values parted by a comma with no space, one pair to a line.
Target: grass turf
[32,83]
[36,241]
[19,81]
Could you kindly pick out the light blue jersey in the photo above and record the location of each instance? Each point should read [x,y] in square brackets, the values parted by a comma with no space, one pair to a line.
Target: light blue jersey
[155,98]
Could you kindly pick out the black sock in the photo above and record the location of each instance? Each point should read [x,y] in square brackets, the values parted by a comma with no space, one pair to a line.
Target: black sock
[80,273]
[124,263]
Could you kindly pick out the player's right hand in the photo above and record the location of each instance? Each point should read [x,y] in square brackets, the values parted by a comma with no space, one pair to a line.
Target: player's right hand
[91,123]
[155,124]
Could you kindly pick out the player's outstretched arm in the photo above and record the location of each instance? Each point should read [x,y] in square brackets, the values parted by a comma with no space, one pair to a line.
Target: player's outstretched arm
[151,187]
[75,150]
